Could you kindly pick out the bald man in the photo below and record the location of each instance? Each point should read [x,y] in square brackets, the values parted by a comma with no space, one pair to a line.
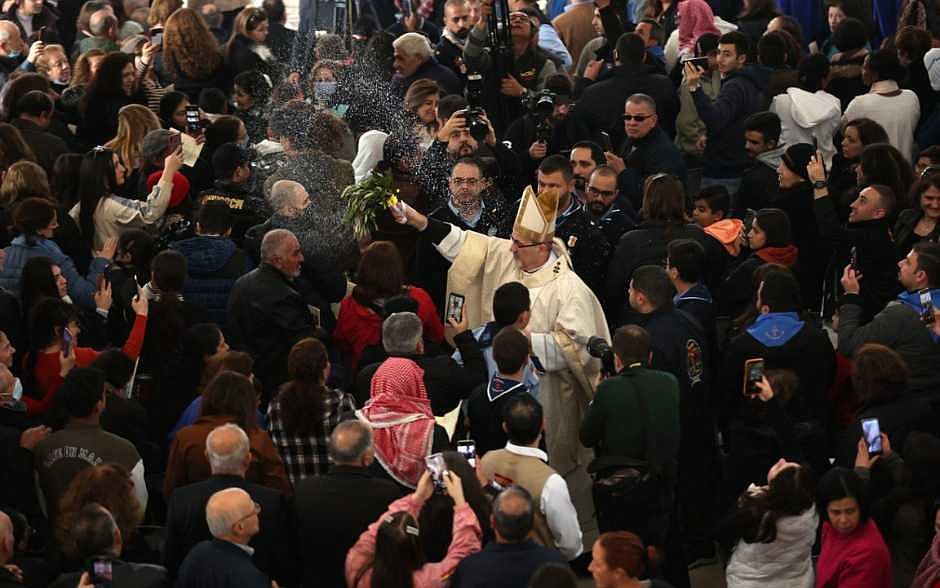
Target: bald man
[270,309]
[288,198]
[225,561]
[512,558]
[13,49]
[103,26]
[228,452]
[345,501]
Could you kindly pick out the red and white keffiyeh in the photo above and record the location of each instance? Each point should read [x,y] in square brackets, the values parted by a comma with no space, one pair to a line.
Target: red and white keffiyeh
[402,422]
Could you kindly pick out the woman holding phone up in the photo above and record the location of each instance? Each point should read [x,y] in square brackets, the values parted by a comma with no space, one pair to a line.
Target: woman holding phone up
[52,352]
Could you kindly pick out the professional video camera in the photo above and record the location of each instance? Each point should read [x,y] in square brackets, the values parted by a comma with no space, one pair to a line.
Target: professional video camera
[499,43]
[541,106]
[599,348]
[474,114]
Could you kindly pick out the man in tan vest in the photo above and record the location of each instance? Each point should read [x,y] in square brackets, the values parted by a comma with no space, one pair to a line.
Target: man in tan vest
[523,464]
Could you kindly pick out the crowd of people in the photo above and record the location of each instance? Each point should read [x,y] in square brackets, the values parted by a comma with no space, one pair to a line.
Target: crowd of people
[470,293]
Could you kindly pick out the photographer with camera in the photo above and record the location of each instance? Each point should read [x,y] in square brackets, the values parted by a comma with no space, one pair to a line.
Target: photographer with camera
[542,131]
[467,133]
[633,423]
[514,66]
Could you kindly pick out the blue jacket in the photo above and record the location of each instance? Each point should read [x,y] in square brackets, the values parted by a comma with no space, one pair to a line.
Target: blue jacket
[213,264]
[741,95]
[81,290]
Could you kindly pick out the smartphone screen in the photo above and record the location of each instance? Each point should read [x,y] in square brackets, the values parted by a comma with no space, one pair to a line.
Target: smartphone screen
[871,428]
[173,144]
[926,307]
[455,307]
[753,373]
[853,259]
[192,118]
[156,36]
[66,341]
[101,573]
[468,449]
[437,466]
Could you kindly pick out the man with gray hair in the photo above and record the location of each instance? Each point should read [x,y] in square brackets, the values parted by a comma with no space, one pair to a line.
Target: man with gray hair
[648,150]
[288,198]
[270,309]
[447,382]
[233,519]
[94,533]
[414,60]
[512,558]
[345,502]
[229,455]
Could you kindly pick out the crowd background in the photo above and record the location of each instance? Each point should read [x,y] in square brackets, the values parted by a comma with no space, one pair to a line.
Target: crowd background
[211,375]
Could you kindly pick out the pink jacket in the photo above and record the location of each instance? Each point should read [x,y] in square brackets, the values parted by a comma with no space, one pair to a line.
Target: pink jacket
[465,540]
[695,18]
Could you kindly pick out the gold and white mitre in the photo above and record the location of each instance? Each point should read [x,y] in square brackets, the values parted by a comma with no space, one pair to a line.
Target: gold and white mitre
[535,220]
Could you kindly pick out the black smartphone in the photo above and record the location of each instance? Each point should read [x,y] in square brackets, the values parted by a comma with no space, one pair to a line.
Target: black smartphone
[455,307]
[156,36]
[66,342]
[468,449]
[605,142]
[100,571]
[701,62]
[871,429]
[926,307]
[406,8]
[192,118]
[753,374]
[42,34]
[853,259]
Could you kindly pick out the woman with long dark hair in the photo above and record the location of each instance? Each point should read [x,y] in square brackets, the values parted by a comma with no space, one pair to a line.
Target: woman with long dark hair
[774,527]
[380,276]
[246,49]
[920,223]
[251,95]
[101,215]
[114,86]
[390,552]
[203,356]
[664,218]
[229,398]
[35,220]
[304,412]
[52,349]
[843,176]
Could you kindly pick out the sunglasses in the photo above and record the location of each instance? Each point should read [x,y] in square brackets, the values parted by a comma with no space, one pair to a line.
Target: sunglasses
[637,117]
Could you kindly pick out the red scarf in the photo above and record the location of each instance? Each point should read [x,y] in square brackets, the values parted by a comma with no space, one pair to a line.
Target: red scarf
[399,413]
[782,255]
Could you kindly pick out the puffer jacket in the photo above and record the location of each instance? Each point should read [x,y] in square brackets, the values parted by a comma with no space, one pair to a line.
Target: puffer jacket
[783,563]
[213,264]
[81,290]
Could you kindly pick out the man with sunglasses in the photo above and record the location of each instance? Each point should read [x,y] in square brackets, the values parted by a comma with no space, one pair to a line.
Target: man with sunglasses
[647,151]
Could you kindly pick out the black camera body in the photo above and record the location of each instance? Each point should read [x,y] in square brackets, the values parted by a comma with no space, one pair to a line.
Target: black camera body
[599,348]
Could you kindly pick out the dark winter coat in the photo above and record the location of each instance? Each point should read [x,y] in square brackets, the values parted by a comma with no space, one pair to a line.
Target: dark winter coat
[213,264]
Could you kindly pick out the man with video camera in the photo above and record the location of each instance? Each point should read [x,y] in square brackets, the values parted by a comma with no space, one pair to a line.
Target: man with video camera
[513,64]
[633,423]
[542,130]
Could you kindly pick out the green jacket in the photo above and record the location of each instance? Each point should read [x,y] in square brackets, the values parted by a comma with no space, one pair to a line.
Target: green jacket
[614,423]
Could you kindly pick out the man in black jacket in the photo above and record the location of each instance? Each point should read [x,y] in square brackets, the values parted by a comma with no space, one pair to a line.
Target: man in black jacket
[267,309]
[678,347]
[588,246]
[32,15]
[647,151]
[446,381]
[449,51]
[227,448]
[33,114]
[511,559]
[866,241]
[97,535]
[599,107]
[334,509]
[224,561]
[280,38]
